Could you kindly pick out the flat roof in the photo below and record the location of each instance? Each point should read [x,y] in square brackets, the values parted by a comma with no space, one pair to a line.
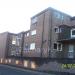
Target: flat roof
[50,8]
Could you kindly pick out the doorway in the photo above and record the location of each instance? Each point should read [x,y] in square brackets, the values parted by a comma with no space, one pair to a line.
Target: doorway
[71,51]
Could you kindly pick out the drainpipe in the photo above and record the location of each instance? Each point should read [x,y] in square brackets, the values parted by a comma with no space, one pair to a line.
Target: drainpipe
[42,35]
[22,44]
[7,45]
[50,33]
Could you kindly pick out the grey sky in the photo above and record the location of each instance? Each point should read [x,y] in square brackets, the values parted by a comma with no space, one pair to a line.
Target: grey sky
[15,14]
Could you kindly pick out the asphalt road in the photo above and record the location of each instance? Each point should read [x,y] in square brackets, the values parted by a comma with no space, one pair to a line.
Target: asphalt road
[8,70]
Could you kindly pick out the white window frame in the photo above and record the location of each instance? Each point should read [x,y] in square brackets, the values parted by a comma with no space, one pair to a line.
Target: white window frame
[14,42]
[58,30]
[33,32]
[57,47]
[27,34]
[71,33]
[32,46]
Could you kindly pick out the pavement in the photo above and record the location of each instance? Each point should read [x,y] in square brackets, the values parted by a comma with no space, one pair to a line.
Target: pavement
[9,70]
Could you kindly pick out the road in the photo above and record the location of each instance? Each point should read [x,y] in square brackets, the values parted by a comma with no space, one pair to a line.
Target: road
[8,70]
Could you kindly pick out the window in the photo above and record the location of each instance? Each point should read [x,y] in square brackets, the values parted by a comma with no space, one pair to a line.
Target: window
[56,29]
[57,15]
[13,42]
[27,34]
[55,45]
[73,33]
[62,17]
[13,39]
[32,46]
[13,52]
[33,32]
[27,47]
[58,46]
[34,20]
[18,36]
[18,41]
[60,30]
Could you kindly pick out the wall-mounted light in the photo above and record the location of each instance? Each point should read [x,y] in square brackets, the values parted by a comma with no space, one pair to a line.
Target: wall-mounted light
[33,65]
[25,63]
[17,61]
[6,61]
[9,60]
[1,60]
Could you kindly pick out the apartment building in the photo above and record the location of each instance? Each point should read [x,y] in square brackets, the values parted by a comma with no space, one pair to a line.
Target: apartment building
[46,26]
[51,35]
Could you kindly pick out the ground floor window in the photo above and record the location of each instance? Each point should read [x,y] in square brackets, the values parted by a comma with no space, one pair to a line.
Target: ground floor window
[58,46]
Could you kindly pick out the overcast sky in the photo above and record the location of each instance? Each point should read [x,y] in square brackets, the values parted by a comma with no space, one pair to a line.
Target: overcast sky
[15,14]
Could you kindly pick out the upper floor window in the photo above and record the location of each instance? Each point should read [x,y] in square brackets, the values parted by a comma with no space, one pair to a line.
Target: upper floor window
[33,32]
[18,41]
[32,46]
[59,47]
[59,15]
[34,20]
[72,32]
[27,34]
[56,29]
[62,17]
[13,39]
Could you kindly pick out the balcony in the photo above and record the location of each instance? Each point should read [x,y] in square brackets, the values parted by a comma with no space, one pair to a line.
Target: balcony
[67,33]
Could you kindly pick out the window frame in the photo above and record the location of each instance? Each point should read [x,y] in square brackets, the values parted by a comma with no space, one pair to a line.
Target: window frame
[72,36]
[57,47]
[34,20]
[58,29]
[33,32]
[32,48]
[28,47]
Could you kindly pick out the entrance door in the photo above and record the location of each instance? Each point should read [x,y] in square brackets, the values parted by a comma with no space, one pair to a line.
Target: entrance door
[71,51]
